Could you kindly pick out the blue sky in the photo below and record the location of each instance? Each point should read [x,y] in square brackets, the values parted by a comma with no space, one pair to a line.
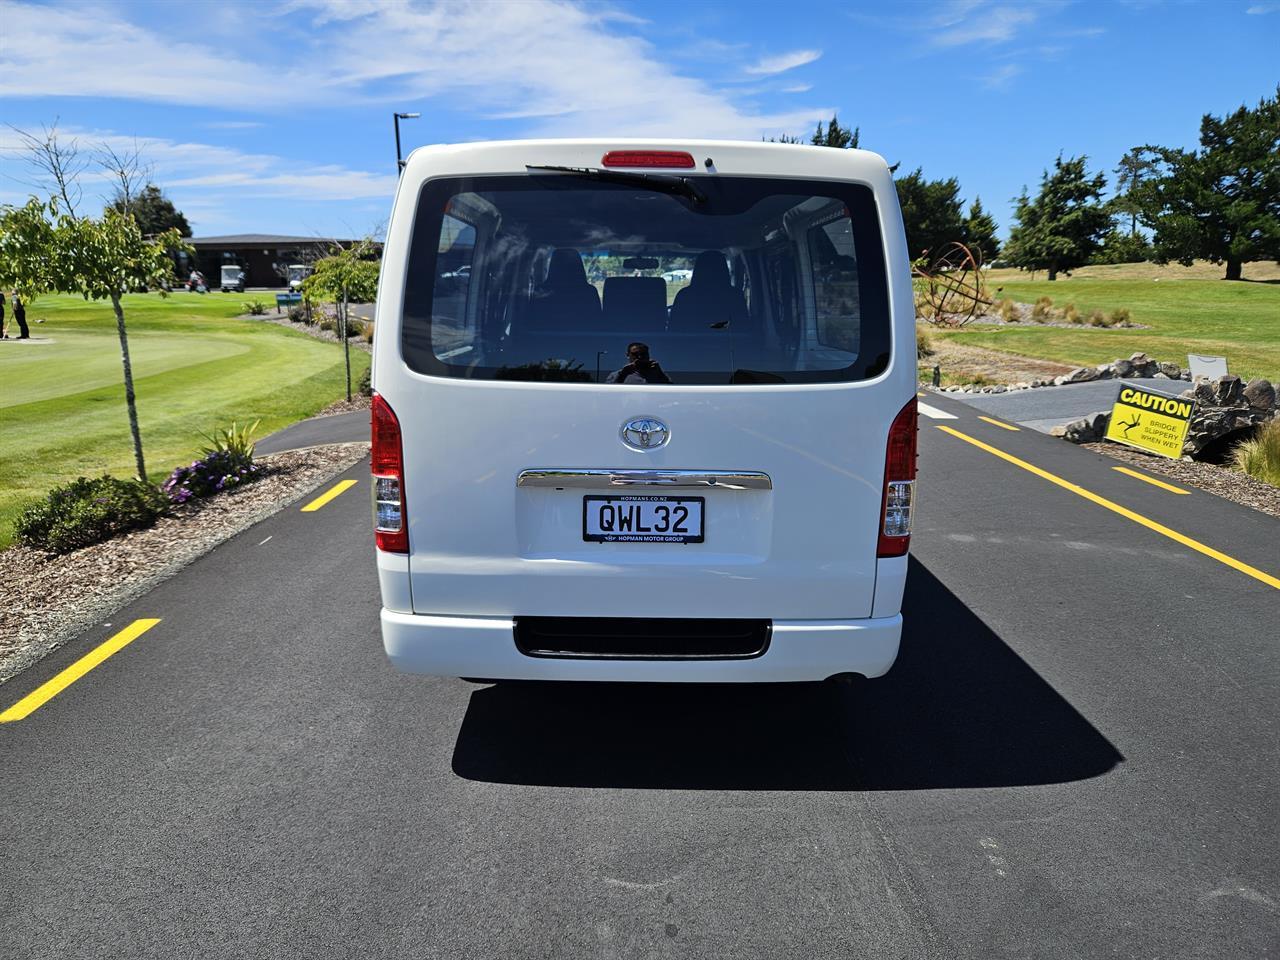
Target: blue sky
[276,116]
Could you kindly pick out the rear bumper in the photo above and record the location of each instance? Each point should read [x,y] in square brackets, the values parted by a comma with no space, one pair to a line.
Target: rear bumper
[485,647]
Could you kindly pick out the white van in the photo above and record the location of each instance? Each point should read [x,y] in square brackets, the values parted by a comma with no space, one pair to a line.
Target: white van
[587,471]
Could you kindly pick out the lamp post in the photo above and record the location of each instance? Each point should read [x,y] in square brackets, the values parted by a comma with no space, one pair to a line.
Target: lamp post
[398,117]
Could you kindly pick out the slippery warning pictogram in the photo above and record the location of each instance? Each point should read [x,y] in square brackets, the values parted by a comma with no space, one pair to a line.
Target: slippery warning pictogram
[1150,421]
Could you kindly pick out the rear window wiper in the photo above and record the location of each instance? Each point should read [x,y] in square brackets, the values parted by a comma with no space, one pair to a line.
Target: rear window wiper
[663,183]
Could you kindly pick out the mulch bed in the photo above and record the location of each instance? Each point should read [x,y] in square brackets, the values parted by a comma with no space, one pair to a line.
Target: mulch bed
[1221,481]
[46,599]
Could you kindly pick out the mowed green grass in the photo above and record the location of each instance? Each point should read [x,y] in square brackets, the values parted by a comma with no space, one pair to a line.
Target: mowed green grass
[1237,320]
[195,368]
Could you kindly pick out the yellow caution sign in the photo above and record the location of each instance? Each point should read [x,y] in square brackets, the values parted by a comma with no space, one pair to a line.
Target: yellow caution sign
[1150,421]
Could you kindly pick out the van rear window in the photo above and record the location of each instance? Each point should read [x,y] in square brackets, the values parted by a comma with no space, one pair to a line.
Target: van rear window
[564,277]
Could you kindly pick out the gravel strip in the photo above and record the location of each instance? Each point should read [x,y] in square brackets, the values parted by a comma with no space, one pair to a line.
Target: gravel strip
[1221,481]
[47,600]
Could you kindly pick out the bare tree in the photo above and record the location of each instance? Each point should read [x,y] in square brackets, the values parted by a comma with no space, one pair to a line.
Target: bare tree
[127,171]
[57,164]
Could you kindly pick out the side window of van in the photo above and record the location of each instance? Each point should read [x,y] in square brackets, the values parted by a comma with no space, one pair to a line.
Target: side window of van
[454,259]
[835,284]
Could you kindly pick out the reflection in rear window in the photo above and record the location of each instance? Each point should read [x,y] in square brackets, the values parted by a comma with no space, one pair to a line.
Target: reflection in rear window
[558,277]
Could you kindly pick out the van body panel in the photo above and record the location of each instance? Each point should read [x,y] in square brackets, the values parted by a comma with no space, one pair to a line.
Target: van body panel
[484,550]
[801,650]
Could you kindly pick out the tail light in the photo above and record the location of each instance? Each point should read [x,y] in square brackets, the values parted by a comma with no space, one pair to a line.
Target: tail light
[671,159]
[899,484]
[390,524]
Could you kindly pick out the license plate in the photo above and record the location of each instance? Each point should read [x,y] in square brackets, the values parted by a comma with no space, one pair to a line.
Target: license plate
[642,519]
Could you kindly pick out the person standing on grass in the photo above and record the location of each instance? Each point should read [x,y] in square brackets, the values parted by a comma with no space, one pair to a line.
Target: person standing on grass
[20,315]
[2,334]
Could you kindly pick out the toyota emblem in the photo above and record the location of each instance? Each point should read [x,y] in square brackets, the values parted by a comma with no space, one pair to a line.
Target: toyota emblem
[645,433]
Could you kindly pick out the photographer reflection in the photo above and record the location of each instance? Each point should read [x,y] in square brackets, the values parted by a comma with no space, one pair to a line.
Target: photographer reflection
[640,368]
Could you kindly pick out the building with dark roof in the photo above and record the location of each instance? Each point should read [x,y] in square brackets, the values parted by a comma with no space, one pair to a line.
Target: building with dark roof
[264,257]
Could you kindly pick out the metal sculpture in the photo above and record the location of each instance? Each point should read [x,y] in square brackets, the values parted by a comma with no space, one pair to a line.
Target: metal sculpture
[948,287]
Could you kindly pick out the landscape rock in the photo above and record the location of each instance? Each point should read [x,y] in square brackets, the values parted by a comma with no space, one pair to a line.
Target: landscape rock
[1171,370]
[1085,430]
[1260,394]
[1078,375]
[1223,407]
[1123,368]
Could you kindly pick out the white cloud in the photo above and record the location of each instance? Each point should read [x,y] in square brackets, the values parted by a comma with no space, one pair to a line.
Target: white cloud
[204,179]
[1268,6]
[973,21]
[798,88]
[781,63]
[71,51]
[562,68]
[999,79]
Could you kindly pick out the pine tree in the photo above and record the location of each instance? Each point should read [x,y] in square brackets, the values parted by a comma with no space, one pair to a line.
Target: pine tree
[979,232]
[1063,226]
[1222,202]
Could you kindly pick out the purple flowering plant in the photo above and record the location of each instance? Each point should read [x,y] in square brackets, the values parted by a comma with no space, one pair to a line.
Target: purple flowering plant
[225,464]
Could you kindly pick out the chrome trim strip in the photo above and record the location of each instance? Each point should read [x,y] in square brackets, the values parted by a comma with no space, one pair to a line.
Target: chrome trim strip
[726,479]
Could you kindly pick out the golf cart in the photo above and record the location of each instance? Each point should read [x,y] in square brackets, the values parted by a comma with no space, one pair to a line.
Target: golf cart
[297,273]
[232,278]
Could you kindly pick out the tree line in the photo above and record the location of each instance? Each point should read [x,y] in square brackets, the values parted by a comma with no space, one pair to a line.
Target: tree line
[1219,203]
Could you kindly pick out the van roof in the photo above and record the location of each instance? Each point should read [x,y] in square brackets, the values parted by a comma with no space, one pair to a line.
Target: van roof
[730,157]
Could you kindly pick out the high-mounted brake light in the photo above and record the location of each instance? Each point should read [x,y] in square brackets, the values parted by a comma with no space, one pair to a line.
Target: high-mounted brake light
[671,159]
[899,484]
[390,523]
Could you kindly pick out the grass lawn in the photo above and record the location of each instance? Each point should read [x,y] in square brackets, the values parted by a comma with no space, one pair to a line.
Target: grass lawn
[62,411]
[1185,313]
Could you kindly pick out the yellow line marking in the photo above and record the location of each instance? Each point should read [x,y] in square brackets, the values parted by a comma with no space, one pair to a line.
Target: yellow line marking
[1151,480]
[340,487]
[997,423]
[1138,518]
[56,684]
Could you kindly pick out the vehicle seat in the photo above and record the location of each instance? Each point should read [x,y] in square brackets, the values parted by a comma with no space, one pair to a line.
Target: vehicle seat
[635,305]
[710,297]
[565,300]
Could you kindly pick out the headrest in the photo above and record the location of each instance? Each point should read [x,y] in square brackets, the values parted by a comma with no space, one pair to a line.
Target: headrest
[710,269]
[565,269]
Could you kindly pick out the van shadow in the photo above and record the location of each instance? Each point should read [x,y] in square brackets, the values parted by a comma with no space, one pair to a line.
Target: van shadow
[959,709]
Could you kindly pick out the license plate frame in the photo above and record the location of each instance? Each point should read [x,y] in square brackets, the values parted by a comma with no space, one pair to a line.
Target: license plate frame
[649,534]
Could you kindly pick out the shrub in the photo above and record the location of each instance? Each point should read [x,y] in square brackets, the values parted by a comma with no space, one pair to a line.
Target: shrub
[1042,309]
[88,511]
[1098,319]
[924,346]
[1120,317]
[255,307]
[368,333]
[225,463]
[328,325]
[355,328]
[297,314]
[366,382]
[1009,311]
[1260,457]
[1071,314]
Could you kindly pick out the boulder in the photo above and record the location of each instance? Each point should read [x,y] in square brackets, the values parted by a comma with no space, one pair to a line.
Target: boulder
[1078,375]
[1228,390]
[1085,430]
[1259,394]
[1123,368]
[1171,370]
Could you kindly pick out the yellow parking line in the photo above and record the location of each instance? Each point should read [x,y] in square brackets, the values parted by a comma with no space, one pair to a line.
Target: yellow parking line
[1151,480]
[1138,518]
[56,684]
[320,501]
[997,423]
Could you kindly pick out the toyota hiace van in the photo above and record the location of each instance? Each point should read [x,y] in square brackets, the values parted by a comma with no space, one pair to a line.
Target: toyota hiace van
[644,411]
